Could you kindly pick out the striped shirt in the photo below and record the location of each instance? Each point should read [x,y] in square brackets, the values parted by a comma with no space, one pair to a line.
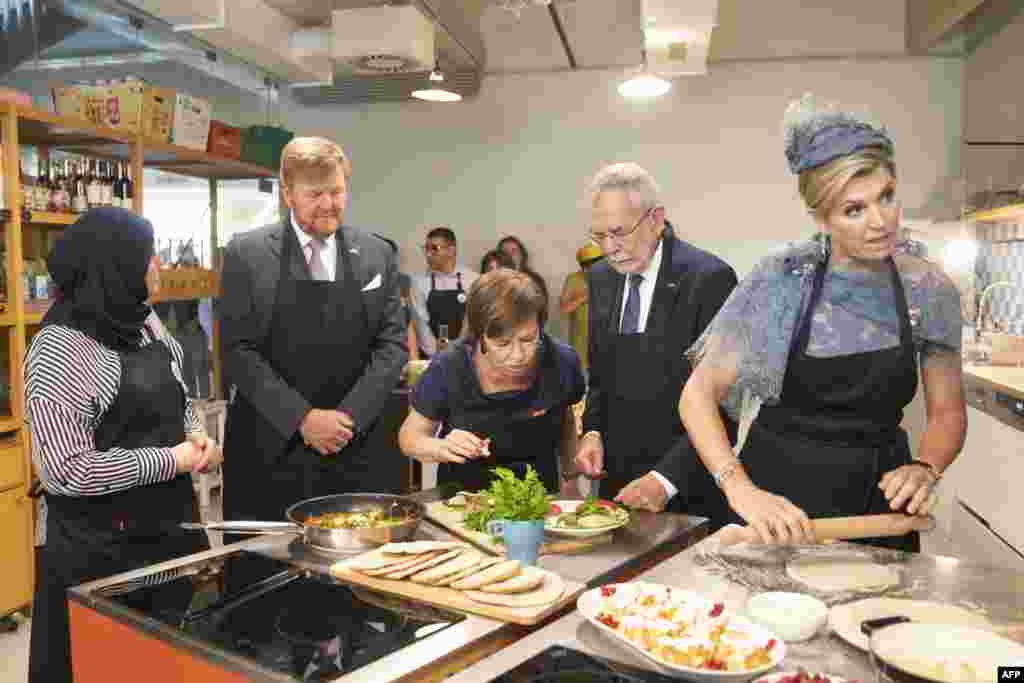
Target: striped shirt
[71,381]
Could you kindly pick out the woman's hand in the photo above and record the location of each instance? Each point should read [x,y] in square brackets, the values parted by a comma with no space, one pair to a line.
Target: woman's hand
[214,453]
[190,457]
[460,446]
[776,520]
[912,486]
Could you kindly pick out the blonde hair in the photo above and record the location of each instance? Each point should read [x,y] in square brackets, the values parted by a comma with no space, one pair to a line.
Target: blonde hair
[629,178]
[312,157]
[821,187]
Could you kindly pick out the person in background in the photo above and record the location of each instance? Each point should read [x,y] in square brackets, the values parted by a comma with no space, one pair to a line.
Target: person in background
[439,295]
[314,341]
[513,247]
[495,259]
[573,302]
[515,250]
[650,298]
[114,435]
[501,395]
[818,350]
[405,290]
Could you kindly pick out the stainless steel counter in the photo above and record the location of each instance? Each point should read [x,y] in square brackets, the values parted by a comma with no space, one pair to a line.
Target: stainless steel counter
[999,593]
[647,539]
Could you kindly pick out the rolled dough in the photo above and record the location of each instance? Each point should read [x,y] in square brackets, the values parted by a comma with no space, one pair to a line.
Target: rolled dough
[828,575]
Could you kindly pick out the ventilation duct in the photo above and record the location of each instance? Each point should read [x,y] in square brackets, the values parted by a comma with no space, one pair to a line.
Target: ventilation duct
[382,40]
[677,35]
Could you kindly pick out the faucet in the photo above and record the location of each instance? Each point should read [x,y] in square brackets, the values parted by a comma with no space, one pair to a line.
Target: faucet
[978,318]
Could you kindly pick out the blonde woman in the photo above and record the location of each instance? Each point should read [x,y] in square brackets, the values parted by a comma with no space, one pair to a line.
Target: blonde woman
[824,343]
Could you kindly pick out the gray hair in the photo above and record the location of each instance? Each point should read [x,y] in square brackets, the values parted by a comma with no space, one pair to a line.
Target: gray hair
[629,178]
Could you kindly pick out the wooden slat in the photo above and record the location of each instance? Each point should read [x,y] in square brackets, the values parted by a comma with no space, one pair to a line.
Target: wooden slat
[51,218]
[1006,214]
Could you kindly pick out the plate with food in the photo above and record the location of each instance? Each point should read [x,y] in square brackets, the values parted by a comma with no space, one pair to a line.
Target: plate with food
[683,632]
[800,676]
[582,518]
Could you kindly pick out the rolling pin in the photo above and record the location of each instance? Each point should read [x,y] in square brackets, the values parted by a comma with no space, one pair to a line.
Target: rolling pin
[842,528]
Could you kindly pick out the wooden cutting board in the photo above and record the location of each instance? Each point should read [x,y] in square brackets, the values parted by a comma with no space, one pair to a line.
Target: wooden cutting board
[451,521]
[450,598]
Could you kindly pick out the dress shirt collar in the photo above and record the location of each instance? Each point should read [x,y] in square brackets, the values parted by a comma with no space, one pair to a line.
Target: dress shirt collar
[305,238]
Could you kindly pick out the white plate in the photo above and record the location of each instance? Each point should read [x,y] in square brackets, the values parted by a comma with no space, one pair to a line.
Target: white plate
[570,506]
[845,619]
[946,654]
[777,676]
[589,605]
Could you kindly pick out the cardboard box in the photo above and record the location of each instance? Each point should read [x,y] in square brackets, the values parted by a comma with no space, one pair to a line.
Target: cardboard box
[137,107]
[225,140]
[72,100]
[191,127]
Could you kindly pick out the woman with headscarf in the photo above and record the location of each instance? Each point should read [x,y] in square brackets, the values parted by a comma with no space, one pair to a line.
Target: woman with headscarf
[496,259]
[114,436]
[821,344]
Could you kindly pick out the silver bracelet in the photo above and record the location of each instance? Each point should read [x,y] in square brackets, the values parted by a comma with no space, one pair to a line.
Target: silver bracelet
[932,469]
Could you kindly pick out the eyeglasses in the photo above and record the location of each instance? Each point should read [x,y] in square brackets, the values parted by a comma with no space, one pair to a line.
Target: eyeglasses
[618,235]
[504,352]
[434,248]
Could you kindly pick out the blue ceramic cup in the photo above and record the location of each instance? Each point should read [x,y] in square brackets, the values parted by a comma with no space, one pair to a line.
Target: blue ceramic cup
[522,539]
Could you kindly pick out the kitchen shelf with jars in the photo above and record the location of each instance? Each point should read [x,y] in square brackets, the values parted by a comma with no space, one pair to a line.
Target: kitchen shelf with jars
[81,165]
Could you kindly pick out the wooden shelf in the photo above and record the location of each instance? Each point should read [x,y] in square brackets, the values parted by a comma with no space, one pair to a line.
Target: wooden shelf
[185,284]
[80,136]
[1006,214]
[50,218]
[6,314]
[35,312]
[9,424]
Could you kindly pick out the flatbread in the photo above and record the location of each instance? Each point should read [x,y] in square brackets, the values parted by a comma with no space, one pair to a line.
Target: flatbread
[404,561]
[374,560]
[418,547]
[493,574]
[835,576]
[409,571]
[465,560]
[484,562]
[547,593]
[527,580]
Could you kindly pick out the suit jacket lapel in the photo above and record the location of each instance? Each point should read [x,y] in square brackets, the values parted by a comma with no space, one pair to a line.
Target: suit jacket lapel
[352,249]
[666,288]
[297,266]
[615,309]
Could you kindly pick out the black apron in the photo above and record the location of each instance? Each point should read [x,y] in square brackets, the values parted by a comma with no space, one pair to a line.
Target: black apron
[319,342]
[646,373]
[836,429]
[92,537]
[519,434]
[446,307]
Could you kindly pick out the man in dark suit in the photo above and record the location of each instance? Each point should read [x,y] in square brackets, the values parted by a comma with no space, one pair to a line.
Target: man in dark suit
[650,298]
[314,341]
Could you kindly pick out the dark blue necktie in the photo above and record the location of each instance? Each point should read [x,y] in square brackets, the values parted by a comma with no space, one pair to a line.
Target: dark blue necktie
[631,316]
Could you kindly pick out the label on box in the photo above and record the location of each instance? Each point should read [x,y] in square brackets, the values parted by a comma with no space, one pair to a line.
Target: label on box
[191,122]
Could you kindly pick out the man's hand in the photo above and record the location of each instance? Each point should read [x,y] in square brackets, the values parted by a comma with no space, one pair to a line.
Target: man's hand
[326,431]
[645,493]
[589,459]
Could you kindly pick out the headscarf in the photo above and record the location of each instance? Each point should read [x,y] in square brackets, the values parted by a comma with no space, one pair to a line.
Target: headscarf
[817,132]
[99,266]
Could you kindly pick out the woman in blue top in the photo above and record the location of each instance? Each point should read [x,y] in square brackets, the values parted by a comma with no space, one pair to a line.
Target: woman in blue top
[501,395]
[822,343]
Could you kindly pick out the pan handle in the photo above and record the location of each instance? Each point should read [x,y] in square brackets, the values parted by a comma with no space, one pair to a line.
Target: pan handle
[245,527]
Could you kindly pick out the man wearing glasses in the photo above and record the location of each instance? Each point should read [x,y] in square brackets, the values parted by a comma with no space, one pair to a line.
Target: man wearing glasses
[439,295]
[650,299]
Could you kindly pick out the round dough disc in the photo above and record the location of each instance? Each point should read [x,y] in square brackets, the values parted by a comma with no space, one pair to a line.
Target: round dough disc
[836,576]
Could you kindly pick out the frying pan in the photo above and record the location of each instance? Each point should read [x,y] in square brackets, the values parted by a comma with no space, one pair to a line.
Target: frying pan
[334,540]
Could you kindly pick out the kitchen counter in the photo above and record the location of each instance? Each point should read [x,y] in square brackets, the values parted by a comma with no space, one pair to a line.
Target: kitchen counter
[1000,593]
[647,540]
[1003,378]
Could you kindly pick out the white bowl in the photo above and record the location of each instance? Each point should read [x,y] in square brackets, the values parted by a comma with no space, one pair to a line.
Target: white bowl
[794,616]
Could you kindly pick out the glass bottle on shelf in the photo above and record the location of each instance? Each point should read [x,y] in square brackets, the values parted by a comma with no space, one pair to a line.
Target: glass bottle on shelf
[79,195]
[41,191]
[118,187]
[107,182]
[93,189]
[127,187]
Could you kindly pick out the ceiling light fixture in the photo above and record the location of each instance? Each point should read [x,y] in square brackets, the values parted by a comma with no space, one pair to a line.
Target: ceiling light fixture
[644,83]
[436,93]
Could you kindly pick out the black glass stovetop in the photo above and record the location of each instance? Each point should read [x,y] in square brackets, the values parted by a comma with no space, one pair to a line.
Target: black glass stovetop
[282,617]
[559,664]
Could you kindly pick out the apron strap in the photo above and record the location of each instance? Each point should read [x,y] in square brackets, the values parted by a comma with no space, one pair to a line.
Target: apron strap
[906,329]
